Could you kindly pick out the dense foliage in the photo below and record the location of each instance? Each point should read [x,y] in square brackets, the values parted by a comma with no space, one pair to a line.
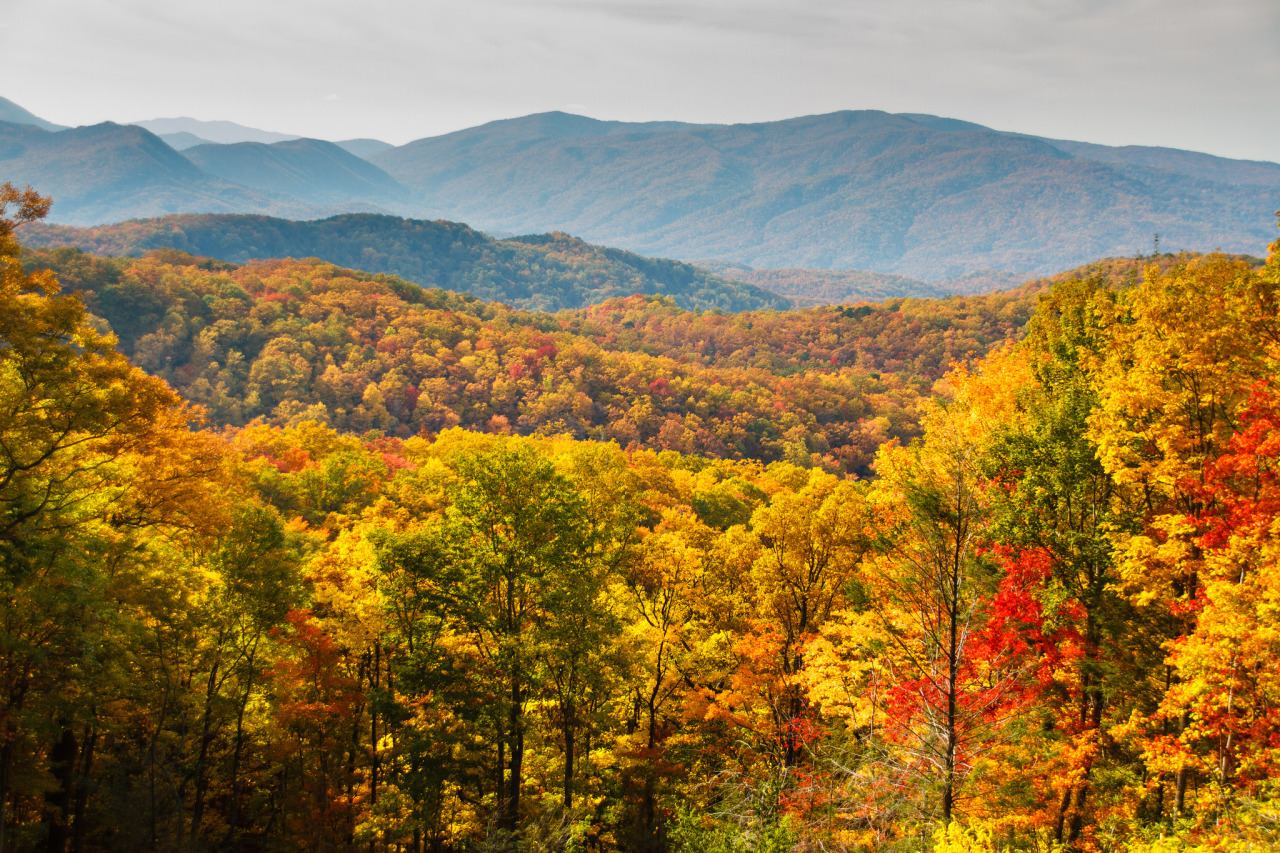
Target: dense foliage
[542,272]
[298,340]
[806,288]
[1047,624]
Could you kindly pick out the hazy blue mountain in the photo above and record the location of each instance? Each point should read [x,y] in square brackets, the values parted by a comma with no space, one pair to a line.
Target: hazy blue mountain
[1190,163]
[363,148]
[921,196]
[309,169]
[925,197]
[222,132]
[96,173]
[110,172]
[182,140]
[543,272]
[14,114]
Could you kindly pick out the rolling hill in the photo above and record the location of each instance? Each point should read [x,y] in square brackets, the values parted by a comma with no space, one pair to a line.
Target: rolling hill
[539,272]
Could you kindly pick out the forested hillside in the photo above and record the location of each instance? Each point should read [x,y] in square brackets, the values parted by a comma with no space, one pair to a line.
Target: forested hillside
[296,340]
[806,288]
[1046,624]
[541,272]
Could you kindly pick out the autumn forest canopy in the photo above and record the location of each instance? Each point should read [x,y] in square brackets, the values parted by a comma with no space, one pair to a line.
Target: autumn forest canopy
[298,557]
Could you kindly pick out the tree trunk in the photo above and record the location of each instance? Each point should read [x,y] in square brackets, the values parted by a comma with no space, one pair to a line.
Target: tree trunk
[569,726]
[648,817]
[512,818]
[78,829]
[206,739]
[953,681]
[6,761]
[502,775]
[373,726]
[234,818]
[1180,796]
[1060,824]
[57,802]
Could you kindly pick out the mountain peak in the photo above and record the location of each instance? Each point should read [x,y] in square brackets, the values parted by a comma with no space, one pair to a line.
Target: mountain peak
[939,123]
[14,114]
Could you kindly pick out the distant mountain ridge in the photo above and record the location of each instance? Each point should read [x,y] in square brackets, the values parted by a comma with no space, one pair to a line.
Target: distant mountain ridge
[105,172]
[921,196]
[221,132]
[182,140]
[14,114]
[93,172]
[310,169]
[545,272]
[926,197]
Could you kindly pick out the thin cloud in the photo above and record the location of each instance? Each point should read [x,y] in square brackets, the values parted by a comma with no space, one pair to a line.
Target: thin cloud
[799,20]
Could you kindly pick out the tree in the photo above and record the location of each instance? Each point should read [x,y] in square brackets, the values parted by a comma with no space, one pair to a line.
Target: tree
[94,454]
[1186,347]
[518,532]
[813,540]
[932,587]
[1055,515]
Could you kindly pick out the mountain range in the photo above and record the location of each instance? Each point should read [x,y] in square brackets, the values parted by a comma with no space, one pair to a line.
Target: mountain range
[914,195]
[920,196]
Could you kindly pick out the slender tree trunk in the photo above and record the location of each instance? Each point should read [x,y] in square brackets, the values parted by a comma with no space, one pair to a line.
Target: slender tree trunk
[953,677]
[586,746]
[569,726]
[373,727]
[1180,796]
[6,762]
[1095,723]
[1060,824]
[154,826]
[353,747]
[648,816]
[62,760]
[206,739]
[78,828]
[238,746]
[790,748]
[512,819]
[502,774]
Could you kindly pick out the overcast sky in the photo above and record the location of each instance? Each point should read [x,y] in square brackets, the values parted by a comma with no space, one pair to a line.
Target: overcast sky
[1196,74]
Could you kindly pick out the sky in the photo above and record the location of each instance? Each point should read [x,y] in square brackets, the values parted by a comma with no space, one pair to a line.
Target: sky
[1197,74]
